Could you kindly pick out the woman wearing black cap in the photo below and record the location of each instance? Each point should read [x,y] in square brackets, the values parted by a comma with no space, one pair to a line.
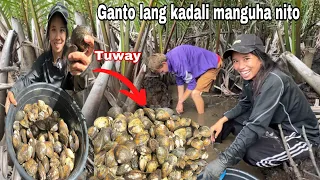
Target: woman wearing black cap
[52,66]
[269,97]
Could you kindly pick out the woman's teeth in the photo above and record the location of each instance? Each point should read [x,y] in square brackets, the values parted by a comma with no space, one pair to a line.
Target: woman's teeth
[245,73]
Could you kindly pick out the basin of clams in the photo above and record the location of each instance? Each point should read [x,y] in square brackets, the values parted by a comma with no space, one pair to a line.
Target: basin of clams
[43,144]
[148,144]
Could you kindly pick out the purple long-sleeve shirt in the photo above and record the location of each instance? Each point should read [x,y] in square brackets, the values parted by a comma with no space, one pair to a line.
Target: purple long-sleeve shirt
[190,62]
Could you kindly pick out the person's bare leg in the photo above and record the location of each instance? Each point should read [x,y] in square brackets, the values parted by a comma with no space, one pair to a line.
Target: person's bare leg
[198,101]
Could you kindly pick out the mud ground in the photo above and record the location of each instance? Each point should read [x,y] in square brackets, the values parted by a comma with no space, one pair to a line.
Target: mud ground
[215,106]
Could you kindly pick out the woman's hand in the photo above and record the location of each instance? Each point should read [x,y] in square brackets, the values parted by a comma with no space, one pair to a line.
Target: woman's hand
[217,128]
[81,60]
[179,107]
[214,170]
[10,100]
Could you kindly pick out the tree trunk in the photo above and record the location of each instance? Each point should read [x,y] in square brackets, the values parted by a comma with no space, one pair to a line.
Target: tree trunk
[312,78]
[308,57]
[130,105]
[79,19]
[26,54]
[91,106]
[3,29]
[4,62]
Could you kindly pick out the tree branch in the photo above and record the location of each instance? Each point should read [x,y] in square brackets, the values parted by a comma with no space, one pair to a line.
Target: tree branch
[310,151]
[292,163]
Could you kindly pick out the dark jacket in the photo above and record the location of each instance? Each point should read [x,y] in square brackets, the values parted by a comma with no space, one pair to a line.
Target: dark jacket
[43,70]
[280,101]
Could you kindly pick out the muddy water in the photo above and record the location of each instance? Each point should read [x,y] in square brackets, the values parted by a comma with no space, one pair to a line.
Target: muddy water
[215,106]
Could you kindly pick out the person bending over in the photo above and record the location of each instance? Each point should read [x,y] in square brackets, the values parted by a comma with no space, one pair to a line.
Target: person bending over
[191,65]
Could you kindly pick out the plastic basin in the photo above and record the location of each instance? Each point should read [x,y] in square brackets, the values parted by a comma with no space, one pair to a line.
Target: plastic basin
[232,174]
[69,111]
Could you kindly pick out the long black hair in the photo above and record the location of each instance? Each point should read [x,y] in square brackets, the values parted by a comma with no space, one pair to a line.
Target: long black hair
[267,65]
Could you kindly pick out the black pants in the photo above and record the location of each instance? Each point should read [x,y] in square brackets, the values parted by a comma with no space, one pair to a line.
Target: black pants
[268,151]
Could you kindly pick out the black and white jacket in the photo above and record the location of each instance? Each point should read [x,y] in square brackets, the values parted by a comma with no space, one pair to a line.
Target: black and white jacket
[43,70]
[279,101]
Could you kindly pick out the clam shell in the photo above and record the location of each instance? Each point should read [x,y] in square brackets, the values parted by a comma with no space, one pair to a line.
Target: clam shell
[143,161]
[101,122]
[175,175]
[146,122]
[153,144]
[135,163]
[31,166]
[19,116]
[206,141]
[204,131]
[92,132]
[182,133]
[24,153]
[16,139]
[152,166]
[139,113]
[99,158]
[102,172]
[162,115]
[135,126]
[162,154]
[155,175]
[41,150]
[163,141]
[120,123]
[166,169]
[41,171]
[141,138]
[64,171]
[185,122]
[150,113]
[193,154]
[114,111]
[77,37]
[123,169]
[197,143]
[53,173]
[110,160]
[122,154]
[134,174]
[161,130]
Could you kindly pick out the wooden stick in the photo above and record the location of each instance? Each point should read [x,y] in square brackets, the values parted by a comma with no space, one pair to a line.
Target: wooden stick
[309,173]
[312,78]
[310,151]
[4,86]
[292,163]
[9,68]
[316,108]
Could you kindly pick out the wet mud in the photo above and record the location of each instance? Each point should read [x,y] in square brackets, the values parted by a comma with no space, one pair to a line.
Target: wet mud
[215,106]
[157,92]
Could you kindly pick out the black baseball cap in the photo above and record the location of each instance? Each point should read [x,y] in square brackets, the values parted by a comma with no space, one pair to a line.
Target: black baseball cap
[245,43]
[60,8]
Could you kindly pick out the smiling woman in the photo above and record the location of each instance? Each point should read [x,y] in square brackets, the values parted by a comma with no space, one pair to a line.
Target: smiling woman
[53,65]
[248,65]
[269,97]
[57,32]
